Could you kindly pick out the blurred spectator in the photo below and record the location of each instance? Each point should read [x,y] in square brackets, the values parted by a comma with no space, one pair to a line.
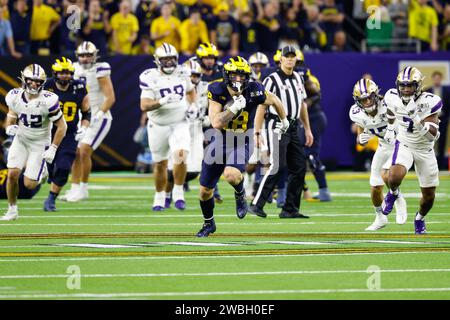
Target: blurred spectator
[6,35]
[318,37]
[444,29]
[269,29]
[290,32]
[145,13]
[423,22]
[398,11]
[20,17]
[57,37]
[444,92]
[110,6]
[96,27]
[302,18]
[69,35]
[224,31]
[331,17]
[165,28]
[124,27]
[44,21]
[340,42]
[193,31]
[248,34]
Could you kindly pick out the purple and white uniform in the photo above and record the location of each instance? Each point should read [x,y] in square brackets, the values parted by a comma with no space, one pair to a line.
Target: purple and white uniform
[167,127]
[411,147]
[99,127]
[35,124]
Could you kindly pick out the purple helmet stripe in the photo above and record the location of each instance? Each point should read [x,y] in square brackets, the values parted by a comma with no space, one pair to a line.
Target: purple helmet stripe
[405,77]
[360,87]
[365,88]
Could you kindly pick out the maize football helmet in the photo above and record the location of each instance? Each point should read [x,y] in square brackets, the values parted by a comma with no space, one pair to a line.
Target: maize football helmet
[207,50]
[62,65]
[33,78]
[237,66]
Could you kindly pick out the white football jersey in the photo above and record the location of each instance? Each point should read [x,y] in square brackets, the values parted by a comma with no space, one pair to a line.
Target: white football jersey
[427,104]
[155,85]
[374,125]
[90,78]
[202,97]
[33,115]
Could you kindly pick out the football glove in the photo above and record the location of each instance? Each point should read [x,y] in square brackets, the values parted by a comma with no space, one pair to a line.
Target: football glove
[50,153]
[192,113]
[363,138]
[170,98]
[12,130]
[281,127]
[390,134]
[238,105]
[80,133]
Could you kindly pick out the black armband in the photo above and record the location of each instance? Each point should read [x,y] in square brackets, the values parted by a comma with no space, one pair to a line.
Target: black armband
[86,115]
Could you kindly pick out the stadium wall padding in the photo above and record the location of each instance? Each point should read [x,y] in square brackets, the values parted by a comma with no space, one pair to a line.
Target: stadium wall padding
[337,73]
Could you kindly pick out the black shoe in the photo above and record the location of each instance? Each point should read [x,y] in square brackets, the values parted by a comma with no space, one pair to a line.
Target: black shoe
[207,229]
[241,205]
[285,214]
[257,211]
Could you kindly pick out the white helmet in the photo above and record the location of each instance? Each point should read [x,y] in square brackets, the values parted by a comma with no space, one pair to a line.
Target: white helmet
[258,58]
[87,49]
[36,73]
[194,69]
[166,58]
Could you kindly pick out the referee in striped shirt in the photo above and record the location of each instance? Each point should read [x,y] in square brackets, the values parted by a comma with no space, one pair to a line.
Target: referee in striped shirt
[287,85]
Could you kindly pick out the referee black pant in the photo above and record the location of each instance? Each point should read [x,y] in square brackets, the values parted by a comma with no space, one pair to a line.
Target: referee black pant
[286,152]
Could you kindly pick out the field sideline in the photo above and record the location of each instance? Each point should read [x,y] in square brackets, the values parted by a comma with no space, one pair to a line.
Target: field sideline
[113,247]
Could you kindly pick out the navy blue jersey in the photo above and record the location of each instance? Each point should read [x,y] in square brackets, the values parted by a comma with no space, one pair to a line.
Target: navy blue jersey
[70,102]
[217,74]
[255,94]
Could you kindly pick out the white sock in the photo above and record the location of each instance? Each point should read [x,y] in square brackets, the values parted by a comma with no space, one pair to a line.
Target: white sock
[75,187]
[12,208]
[378,210]
[178,192]
[159,199]
[168,194]
[83,186]
[419,216]
[395,192]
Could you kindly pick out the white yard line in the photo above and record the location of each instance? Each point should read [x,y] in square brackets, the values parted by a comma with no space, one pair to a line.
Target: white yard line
[186,224]
[214,274]
[213,293]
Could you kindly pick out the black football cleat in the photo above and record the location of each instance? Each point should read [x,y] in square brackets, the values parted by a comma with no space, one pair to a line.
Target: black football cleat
[207,229]
[257,211]
[290,215]
[241,205]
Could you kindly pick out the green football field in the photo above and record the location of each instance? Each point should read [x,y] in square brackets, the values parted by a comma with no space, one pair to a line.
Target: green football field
[113,246]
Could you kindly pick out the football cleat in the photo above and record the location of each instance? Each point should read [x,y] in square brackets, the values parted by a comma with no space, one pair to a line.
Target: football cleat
[9,216]
[281,197]
[388,203]
[324,195]
[401,209]
[207,229]
[291,215]
[180,204]
[380,222]
[420,227]
[78,196]
[49,205]
[167,202]
[158,208]
[257,211]
[241,205]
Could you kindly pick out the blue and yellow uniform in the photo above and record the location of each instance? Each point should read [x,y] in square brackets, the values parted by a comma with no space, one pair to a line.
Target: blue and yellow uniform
[70,102]
[231,140]
[24,192]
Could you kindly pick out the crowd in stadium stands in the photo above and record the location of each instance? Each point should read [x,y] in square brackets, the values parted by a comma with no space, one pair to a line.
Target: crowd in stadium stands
[134,27]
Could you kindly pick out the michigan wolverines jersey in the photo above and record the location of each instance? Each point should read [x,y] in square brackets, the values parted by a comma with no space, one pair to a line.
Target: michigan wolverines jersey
[70,102]
[155,85]
[254,94]
[216,76]
[90,78]
[426,104]
[375,125]
[33,115]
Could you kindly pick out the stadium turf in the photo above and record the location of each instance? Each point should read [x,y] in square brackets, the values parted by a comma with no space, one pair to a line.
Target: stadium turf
[113,247]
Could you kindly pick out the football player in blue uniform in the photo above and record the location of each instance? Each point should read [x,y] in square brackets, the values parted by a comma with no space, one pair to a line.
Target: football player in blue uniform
[236,105]
[72,99]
